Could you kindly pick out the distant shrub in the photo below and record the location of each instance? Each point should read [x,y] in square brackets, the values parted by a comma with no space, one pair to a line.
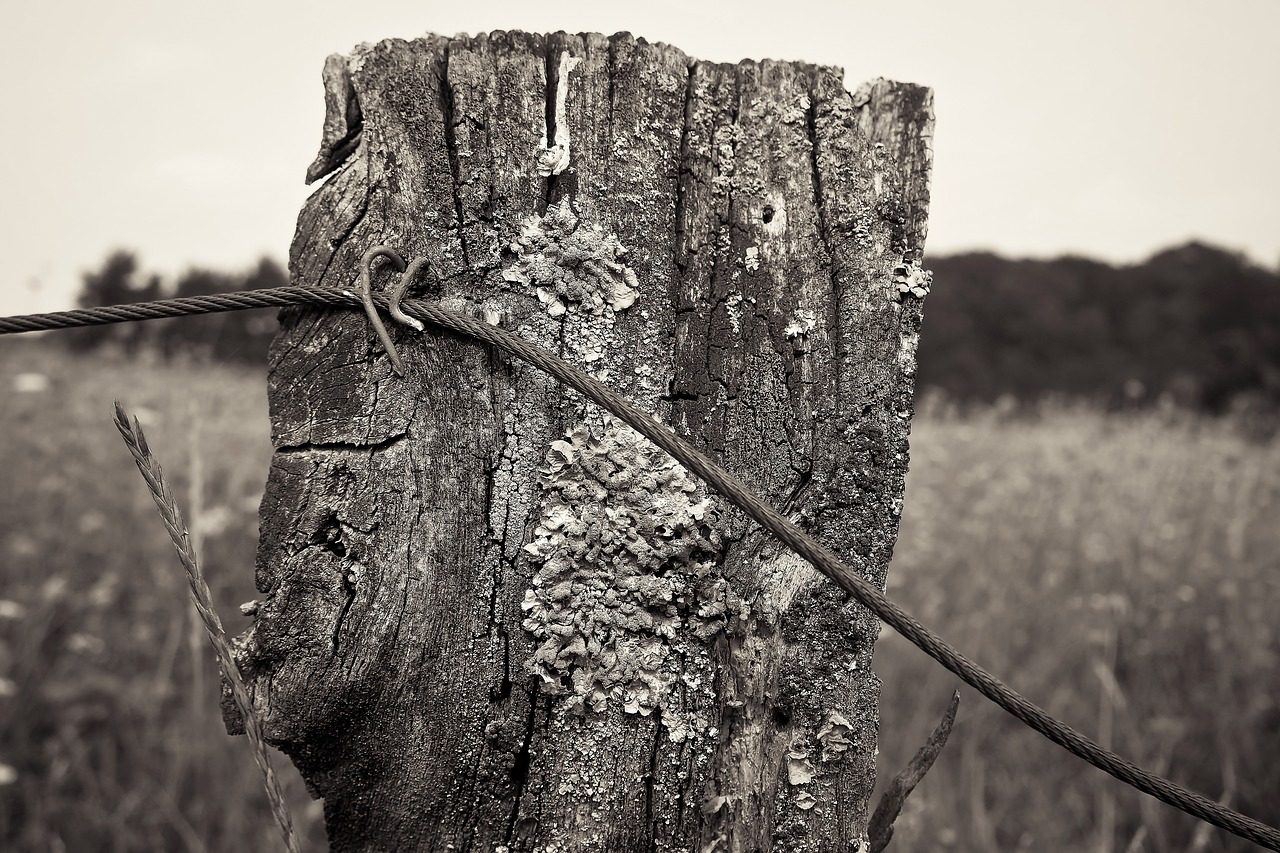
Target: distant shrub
[1194,326]
[234,336]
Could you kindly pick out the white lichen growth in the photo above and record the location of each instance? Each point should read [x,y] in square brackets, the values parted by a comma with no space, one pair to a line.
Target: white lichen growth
[799,768]
[802,322]
[833,737]
[572,268]
[801,771]
[752,259]
[733,307]
[907,345]
[625,547]
[912,278]
[797,111]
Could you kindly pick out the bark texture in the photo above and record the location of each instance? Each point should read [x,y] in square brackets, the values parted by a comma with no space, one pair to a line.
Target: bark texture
[494,619]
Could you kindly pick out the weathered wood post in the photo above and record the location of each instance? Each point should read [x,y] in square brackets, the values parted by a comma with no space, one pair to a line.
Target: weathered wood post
[494,618]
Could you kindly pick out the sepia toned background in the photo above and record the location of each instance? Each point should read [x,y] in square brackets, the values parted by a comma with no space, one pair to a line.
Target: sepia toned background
[1093,506]
[182,130]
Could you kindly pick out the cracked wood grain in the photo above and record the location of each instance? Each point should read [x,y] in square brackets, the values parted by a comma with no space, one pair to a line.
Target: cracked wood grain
[720,247]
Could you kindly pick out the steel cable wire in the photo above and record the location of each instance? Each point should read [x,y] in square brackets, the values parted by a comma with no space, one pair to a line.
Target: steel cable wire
[728,485]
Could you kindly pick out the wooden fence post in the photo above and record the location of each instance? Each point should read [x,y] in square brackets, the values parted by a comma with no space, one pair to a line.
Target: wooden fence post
[494,619]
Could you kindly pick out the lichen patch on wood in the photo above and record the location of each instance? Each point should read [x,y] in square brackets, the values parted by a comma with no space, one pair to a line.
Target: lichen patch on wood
[626,568]
[572,266]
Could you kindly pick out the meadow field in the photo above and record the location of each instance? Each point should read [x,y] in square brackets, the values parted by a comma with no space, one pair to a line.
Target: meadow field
[1122,570]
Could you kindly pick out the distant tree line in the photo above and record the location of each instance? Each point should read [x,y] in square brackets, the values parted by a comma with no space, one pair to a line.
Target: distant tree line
[1196,325]
[237,336]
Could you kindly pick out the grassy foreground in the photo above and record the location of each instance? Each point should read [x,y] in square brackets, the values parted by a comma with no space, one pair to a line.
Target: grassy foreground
[1121,570]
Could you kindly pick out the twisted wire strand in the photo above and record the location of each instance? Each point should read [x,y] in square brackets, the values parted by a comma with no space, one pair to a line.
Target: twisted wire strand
[200,597]
[186,306]
[738,494]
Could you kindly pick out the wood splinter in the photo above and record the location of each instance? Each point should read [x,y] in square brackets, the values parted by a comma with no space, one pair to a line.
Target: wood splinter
[880,829]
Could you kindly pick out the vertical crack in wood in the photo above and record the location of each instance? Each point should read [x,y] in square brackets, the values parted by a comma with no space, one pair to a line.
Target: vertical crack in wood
[343,121]
[552,64]
[340,239]
[349,589]
[495,579]
[679,250]
[650,818]
[520,768]
[451,147]
[839,348]
[612,65]
[722,217]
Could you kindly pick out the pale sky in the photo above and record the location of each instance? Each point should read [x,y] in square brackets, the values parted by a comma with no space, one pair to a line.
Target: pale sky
[182,130]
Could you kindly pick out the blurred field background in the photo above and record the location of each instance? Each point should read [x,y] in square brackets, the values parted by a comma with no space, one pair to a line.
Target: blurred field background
[110,733]
[1115,561]
[1121,570]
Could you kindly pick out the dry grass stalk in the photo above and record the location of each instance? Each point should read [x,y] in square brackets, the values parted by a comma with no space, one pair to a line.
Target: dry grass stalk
[200,597]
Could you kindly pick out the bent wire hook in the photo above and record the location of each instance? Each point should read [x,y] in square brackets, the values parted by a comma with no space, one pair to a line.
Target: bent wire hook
[398,292]
[366,297]
[394,297]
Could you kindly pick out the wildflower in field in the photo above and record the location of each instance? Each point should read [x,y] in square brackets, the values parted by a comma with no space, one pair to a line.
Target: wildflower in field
[30,383]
